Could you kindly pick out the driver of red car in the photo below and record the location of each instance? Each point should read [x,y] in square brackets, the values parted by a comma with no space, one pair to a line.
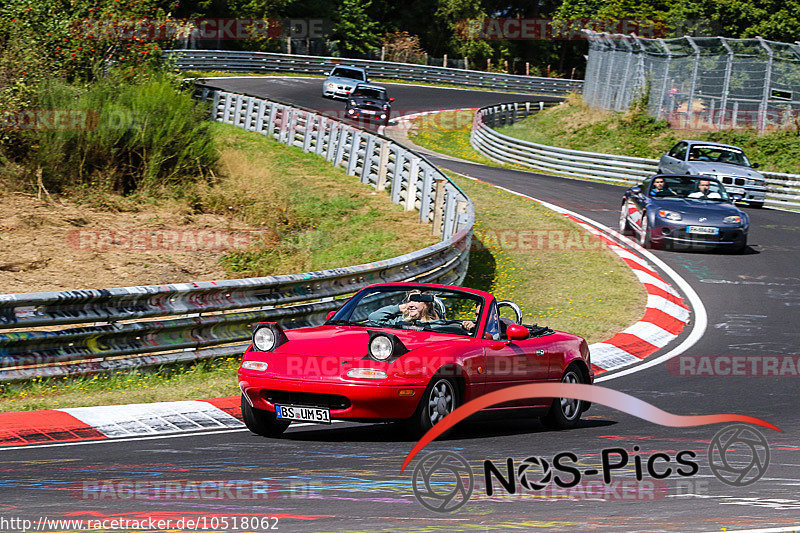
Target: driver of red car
[418,307]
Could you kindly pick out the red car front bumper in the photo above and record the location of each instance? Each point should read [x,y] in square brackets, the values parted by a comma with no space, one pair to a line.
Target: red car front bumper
[366,400]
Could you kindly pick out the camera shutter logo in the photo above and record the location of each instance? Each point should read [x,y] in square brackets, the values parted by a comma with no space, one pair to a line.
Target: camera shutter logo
[443,481]
[746,442]
[523,471]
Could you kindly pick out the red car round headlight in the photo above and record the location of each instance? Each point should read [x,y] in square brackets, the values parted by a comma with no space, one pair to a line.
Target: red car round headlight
[264,339]
[381,347]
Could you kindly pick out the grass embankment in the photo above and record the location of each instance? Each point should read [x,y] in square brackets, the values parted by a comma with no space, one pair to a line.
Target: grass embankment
[575,125]
[448,133]
[321,217]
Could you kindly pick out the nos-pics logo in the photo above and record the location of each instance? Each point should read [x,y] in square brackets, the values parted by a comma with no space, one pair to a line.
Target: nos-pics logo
[443,481]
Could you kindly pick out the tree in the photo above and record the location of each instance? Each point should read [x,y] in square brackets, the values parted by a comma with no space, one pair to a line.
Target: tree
[354,31]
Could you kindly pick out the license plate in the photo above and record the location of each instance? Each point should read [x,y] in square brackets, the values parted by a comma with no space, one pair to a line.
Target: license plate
[368,112]
[734,190]
[304,414]
[702,230]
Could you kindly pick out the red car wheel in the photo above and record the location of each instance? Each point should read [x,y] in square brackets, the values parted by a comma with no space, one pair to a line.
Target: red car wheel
[260,422]
[440,399]
[565,413]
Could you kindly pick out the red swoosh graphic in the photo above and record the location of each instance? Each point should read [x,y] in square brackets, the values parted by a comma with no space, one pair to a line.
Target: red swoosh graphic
[590,393]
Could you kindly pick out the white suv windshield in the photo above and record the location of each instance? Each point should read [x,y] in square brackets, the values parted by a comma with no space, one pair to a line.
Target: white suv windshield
[348,73]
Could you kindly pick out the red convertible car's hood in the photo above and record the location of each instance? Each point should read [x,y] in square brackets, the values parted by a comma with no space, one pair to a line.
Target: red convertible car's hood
[351,341]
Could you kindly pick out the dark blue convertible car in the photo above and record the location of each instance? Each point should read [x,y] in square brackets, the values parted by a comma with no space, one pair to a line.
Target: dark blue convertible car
[667,211]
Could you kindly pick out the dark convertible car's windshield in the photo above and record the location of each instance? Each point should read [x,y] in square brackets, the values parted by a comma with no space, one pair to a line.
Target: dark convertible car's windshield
[688,187]
[377,94]
[423,308]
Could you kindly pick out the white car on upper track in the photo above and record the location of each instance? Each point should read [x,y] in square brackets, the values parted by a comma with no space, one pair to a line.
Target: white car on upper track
[724,162]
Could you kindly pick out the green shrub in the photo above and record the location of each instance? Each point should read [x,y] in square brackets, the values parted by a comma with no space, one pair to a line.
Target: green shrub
[141,134]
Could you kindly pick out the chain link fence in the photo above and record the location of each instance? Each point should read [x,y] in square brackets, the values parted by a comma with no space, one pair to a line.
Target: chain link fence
[697,82]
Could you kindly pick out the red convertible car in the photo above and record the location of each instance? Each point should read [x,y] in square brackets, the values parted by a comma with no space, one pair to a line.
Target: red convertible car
[406,351]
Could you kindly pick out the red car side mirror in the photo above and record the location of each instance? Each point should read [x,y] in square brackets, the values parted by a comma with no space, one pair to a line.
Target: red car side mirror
[515,332]
[392,100]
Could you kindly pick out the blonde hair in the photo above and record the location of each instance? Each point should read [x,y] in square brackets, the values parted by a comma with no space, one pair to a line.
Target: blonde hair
[428,313]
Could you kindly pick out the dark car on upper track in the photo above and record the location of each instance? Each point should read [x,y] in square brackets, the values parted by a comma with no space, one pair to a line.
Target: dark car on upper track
[370,103]
[692,211]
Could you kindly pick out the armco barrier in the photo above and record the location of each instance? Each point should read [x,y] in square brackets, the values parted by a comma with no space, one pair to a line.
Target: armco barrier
[236,61]
[157,324]
[783,190]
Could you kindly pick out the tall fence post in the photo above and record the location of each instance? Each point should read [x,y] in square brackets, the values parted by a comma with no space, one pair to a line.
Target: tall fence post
[762,108]
[693,87]
[663,97]
[726,83]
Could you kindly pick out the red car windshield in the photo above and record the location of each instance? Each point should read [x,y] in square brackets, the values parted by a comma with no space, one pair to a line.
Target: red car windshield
[423,308]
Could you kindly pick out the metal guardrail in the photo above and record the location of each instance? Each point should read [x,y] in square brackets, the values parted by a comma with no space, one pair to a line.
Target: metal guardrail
[783,190]
[203,319]
[237,61]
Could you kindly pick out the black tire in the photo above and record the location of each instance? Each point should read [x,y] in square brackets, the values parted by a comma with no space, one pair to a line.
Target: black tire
[624,224]
[261,422]
[565,413]
[740,248]
[441,397]
[644,235]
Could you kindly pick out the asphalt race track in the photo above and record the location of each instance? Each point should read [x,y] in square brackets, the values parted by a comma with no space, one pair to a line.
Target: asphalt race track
[346,477]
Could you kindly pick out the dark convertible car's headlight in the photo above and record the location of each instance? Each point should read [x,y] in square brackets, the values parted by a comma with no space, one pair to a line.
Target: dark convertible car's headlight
[669,215]
[733,219]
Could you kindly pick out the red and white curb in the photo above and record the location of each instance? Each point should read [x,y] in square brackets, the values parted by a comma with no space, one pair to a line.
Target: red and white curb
[118,421]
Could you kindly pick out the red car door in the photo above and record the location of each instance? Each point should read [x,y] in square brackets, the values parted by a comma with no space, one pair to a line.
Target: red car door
[510,363]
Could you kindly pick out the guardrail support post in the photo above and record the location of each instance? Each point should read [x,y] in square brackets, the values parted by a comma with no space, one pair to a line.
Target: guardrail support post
[397,175]
[319,139]
[249,119]
[438,207]
[411,188]
[226,107]
[425,202]
[311,121]
[366,170]
[259,125]
[344,133]
[215,106]
[333,136]
[383,166]
[273,112]
[352,160]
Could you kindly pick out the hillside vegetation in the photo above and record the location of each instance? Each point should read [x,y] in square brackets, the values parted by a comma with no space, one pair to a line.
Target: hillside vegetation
[575,125]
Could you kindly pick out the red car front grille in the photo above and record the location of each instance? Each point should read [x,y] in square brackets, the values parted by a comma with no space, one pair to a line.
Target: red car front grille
[311,399]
